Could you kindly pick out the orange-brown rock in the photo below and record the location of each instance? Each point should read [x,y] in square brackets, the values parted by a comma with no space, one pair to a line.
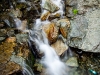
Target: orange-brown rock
[9,68]
[59,47]
[64,26]
[11,39]
[23,51]
[45,16]
[6,49]
[51,31]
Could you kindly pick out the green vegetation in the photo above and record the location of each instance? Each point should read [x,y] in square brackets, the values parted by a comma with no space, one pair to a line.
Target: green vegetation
[75,11]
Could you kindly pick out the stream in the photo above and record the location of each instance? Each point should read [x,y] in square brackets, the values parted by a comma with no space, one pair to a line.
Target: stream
[36,41]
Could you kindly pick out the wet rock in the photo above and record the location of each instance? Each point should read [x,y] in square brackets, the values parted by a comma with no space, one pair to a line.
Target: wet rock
[21,25]
[50,6]
[3,32]
[59,46]
[6,49]
[15,13]
[22,38]
[72,62]
[10,32]
[51,31]
[38,67]
[2,38]
[1,24]
[9,68]
[64,26]
[45,15]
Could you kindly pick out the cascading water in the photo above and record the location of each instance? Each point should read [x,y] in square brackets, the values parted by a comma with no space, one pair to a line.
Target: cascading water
[50,60]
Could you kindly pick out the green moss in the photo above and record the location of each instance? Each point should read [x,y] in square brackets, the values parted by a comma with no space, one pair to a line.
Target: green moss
[75,11]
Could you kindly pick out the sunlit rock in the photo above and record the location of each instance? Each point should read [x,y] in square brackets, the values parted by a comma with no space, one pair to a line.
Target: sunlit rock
[11,39]
[6,50]
[45,15]
[9,68]
[72,62]
[51,31]
[50,6]
[60,47]
[64,25]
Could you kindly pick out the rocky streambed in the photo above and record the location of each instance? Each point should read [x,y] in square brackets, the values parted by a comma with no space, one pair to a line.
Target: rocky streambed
[78,29]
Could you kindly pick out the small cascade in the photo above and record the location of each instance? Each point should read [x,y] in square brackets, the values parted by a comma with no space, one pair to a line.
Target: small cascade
[27,70]
[50,60]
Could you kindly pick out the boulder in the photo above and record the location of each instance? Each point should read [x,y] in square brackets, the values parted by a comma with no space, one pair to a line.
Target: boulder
[50,6]
[64,26]
[59,46]
[51,31]
[85,28]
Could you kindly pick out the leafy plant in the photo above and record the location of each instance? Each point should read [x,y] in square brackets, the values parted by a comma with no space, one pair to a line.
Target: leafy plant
[75,11]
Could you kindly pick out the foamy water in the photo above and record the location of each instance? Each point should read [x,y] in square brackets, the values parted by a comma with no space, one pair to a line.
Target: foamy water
[50,60]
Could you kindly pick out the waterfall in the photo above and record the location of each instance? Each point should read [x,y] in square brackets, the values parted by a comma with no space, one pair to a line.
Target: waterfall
[50,60]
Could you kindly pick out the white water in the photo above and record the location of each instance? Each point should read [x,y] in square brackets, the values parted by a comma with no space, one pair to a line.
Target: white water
[50,60]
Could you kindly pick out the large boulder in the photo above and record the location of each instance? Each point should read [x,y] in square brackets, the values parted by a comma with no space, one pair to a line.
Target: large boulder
[85,25]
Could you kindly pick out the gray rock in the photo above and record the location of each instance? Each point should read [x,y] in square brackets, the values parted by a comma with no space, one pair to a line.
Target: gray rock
[22,38]
[92,40]
[78,31]
[50,6]
[72,62]
[2,38]
[85,26]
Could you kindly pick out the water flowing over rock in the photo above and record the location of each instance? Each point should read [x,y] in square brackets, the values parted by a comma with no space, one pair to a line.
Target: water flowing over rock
[51,31]
[35,35]
[85,27]
[45,15]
